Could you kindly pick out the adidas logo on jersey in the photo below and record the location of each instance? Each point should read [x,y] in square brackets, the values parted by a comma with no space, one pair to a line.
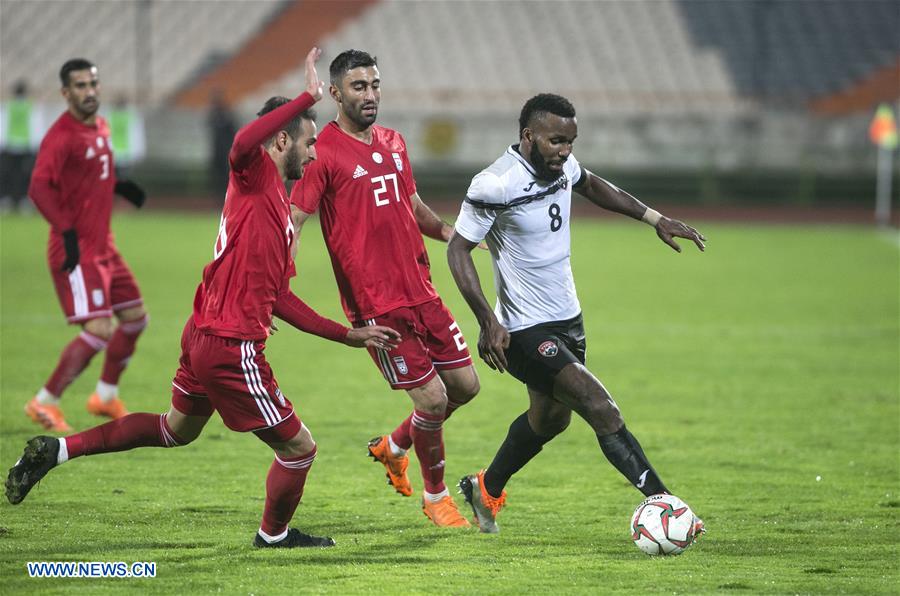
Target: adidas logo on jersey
[360,171]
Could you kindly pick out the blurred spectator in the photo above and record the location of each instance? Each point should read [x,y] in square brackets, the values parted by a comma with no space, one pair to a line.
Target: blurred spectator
[222,129]
[20,136]
[126,134]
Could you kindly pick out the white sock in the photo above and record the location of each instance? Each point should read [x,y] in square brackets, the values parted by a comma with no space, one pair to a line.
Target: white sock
[46,398]
[437,497]
[394,449]
[271,539]
[106,391]
[63,455]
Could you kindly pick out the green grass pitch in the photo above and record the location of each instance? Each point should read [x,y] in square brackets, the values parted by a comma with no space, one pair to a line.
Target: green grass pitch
[761,378]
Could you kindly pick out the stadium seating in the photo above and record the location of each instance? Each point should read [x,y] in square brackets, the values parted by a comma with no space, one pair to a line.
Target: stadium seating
[180,38]
[487,56]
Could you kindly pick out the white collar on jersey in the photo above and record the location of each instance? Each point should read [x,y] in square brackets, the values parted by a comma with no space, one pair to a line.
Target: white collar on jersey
[514,151]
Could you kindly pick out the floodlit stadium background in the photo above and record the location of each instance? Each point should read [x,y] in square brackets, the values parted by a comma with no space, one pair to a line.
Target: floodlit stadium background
[678,100]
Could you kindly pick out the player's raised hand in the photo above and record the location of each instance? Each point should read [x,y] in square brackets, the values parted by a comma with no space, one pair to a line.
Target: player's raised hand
[668,229]
[375,336]
[492,343]
[314,86]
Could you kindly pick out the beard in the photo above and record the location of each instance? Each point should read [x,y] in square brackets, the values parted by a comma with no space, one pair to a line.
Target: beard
[362,120]
[89,108]
[293,167]
[541,170]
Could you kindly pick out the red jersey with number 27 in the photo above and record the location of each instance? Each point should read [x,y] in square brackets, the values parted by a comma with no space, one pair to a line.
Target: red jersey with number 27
[362,192]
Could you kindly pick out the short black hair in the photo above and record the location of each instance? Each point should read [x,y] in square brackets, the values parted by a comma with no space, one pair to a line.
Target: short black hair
[73,65]
[293,127]
[545,103]
[347,61]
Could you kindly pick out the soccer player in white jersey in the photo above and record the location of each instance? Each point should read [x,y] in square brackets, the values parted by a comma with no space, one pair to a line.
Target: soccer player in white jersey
[521,207]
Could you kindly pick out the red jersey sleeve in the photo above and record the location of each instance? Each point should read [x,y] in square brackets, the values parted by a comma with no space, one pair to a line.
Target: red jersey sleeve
[44,189]
[244,149]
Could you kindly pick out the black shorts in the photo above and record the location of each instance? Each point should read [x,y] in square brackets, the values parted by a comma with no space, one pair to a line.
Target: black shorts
[537,354]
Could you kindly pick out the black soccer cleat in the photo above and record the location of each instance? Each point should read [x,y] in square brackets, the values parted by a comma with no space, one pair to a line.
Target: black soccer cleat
[38,459]
[294,539]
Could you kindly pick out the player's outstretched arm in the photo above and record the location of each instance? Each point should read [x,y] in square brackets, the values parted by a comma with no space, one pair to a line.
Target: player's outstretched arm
[249,138]
[375,336]
[609,196]
[493,338]
[289,308]
[668,229]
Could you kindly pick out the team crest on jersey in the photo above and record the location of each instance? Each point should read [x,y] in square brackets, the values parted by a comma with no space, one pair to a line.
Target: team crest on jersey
[563,181]
[400,363]
[548,349]
[280,396]
[97,297]
[397,161]
[376,157]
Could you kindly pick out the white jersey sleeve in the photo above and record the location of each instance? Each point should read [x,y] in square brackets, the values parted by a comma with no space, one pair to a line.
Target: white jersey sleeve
[574,171]
[476,216]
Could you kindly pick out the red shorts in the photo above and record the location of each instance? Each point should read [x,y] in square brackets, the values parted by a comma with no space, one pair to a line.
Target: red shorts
[231,376]
[98,287]
[430,339]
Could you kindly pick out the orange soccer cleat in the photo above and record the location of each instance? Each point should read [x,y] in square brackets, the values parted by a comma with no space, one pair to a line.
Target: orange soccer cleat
[113,408]
[444,513]
[395,465]
[484,506]
[50,417]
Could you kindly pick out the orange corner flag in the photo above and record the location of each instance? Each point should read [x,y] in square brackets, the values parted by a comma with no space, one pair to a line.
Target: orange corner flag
[883,130]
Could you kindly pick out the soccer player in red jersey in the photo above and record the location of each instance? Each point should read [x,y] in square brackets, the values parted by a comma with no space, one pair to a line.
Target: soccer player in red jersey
[373,219]
[222,366]
[72,184]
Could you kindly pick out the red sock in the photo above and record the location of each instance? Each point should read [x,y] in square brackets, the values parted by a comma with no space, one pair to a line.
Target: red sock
[128,432]
[121,347]
[402,436]
[428,439]
[74,359]
[284,487]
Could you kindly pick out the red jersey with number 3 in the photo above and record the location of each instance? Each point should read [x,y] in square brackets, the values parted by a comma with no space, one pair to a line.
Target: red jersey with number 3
[75,166]
[252,263]
[362,192]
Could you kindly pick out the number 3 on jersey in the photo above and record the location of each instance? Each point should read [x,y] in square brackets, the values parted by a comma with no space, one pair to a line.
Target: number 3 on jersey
[381,187]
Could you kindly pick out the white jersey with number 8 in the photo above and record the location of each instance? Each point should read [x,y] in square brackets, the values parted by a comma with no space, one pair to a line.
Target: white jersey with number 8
[525,223]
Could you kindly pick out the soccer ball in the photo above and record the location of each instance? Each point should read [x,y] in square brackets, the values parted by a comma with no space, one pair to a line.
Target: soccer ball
[663,525]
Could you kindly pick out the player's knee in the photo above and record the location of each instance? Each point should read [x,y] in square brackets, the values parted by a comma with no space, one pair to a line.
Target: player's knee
[136,325]
[132,314]
[604,415]
[463,394]
[430,398]
[555,424]
[300,444]
[101,328]
[181,429]
[471,389]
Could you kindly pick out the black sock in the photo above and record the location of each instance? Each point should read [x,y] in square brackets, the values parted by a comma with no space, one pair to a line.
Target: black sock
[625,453]
[520,445]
